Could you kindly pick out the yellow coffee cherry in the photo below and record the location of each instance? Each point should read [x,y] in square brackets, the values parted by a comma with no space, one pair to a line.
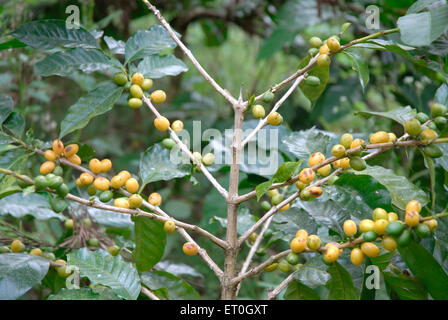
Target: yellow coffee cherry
[323,61]
[336,164]
[135,201]
[315,192]
[136,91]
[177,125]
[122,203]
[147,84]
[414,205]
[58,147]
[169,227]
[370,249]
[17,246]
[258,111]
[357,256]
[101,184]
[253,236]
[78,182]
[335,244]
[306,175]
[275,118]
[333,44]
[272,193]
[412,218]
[315,158]
[300,185]
[379,137]
[324,49]
[338,150]
[125,174]
[137,78]
[95,165]
[285,207]
[298,245]
[190,248]
[379,213]
[271,267]
[356,143]
[106,165]
[380,226]
[392,137]
[432,224]
[70,150]
[389,243]
[155,199]
[313,242]
[158,96]
[86,178]
[346,140]
[47,167]
[161,123]
[132,185]
[75,159]
[315,42]
[332,253]
[366,225]
[135,103]
[350,228]
[392,216]
[344,163]
[117,182]
[36,252]
[325,170]
[50,155]
[302,233]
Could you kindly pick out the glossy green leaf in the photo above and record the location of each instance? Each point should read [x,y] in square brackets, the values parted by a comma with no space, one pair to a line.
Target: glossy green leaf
[283,173]
[359,64]
[442,94]
[34,204]
[11,44]
[298,291]
[405,286]
[169,286]
[340,285]
[303,143]
[6,107]
[81,294]
[95,103]
[150,240]
[400,115]
[15,123]
[323,73]
[155,66]
[313,273]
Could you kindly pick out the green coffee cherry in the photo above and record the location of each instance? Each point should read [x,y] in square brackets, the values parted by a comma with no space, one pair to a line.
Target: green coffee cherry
[357,163]
[312,81]
[265,205]
[55,182]
[91,190]
[440,122]
[422,117]
[58,204]
[422,230]
[412,127]
[62,191]
[369,236]
[276,199]
[58,171]
[120,78]
[40,182]
[395,228]
[433,151]
[268,96]
[292,258]
[284,266]
[93,242]
[438,109]
[168,143]
[405,238]
[106,196]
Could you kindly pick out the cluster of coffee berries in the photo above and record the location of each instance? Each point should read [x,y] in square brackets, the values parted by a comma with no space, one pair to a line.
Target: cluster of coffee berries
[331,45]
[189,248]
[258,111]
[275,198]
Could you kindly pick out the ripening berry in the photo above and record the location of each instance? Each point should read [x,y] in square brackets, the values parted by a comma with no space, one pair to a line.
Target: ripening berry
[132,185]
[161,123]
[356,143]
[438,109]
[136,91]
[75,159]
[258,111]
[370,249]
[177,126]
[350,228]
[36,252]
[306,175]
[147,84]
[70,150]
[379,137]
[324,49]
[332,253]
[125,174]
[379,213]
[391,137]
[413,205]
[357,256]
[336,164]
[315,158]
[333,44]
[208,159]
[158,96]
[190,248]
[298,245]
[389,243]
[300,185]
[285,207]
[155,199]
[91,190]
[68,224]
[47,167]
[101,184]
[315,192]
[135,201]
[366,225]
[302,233]
[50,155]
[272,193]
[58,147]
[271,267]
[95,165]
[275,118]
[346,140]
[169,227]
[253,236]
[114,250]
[106,165]
[86,178]
[344,163]
[284,266]
[313,242]
[135,103]
[380,226]
[117,182]
[432,224]
[122,203]
[323,60]
[137,78]
[17,246]
[305,194]
[78,183]
[412,127]
[315,42]
[338,150]
[427,135]
[392,216]
[87,222]
[120,78]
[276,199]
[412,218]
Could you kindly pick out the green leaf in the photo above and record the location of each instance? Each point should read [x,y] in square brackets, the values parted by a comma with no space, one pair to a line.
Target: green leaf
[81,294]
[156,165]
[286,223]
[303,143]
[359,64]
[298,291]
[102,268]
[313,273]
[283,173]
[400,115]
[175,287]
[19,272]
[400,188]
[65,63]
[323,73]
[6,107]
[424,267]
[405,287]
[155,66]
[11,44]
[383,260]
[147,42]
[419,5]
[34,204]
[366,293]
[150,240]
[442,94]
[51,33]
[15,123]
[95,103]
[340,285]
[262,188]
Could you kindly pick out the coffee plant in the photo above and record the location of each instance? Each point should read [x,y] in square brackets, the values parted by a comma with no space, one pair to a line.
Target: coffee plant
[357,211]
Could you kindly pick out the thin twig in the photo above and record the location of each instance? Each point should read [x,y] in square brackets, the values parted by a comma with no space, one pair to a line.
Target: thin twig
[275,292]
[149,294]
